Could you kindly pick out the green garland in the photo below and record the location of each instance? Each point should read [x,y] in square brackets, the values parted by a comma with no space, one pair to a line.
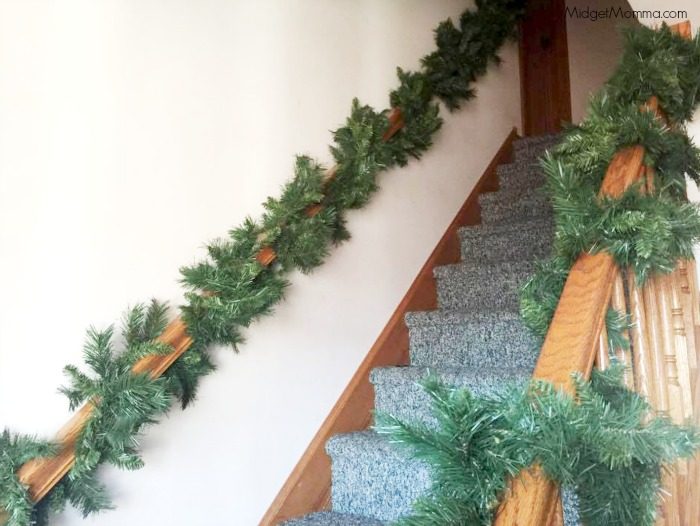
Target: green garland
[232,289]
[647,233]
[605,442]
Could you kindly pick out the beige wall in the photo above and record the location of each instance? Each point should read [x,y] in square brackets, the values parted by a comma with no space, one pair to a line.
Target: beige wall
[133,131]
[594,50]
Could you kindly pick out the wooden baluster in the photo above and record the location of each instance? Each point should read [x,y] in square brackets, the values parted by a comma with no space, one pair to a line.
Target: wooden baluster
[624,356]
[664,378]
[641,355]
[602,359]
[673,386]
[668,512]
[666,353]
[658,377]
[681,344]
[677,347]
[684,289]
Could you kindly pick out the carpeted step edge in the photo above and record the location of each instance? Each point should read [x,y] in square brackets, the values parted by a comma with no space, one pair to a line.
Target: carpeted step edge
[329,518]
[528,239]
[398,390]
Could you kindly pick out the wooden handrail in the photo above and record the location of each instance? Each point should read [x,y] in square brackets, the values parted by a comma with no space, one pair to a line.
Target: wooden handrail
[572,340]
[41,474]
[570,347]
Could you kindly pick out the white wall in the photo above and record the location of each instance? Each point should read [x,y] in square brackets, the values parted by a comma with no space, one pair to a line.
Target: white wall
[595,48]
[133,131]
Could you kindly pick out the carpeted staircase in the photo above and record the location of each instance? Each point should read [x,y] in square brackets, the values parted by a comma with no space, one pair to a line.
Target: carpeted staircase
[474,339]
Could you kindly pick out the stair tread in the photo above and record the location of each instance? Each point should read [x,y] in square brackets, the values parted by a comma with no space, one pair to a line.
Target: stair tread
[481,286]
[373,477]
[529,239]
[537,145]
[520,175]
[472,339]
[528,223]
[534,140]
[457,316]
[465,377]
[531,203]
[525,165]
[329,518]
[398,391]
[508,195]
[478,267]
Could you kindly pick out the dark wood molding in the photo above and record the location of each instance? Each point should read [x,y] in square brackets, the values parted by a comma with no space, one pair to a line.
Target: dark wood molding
[545,88]
[308,487]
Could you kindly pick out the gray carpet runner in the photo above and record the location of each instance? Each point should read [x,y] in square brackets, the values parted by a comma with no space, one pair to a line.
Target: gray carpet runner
[474,339]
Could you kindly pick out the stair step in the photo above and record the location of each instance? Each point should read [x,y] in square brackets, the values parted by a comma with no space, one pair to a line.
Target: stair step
[329,518]
[534,154]
[443,338]
[374,478]
[398,393]
[530,148]
[511,206]
[531,239]
[482,287]
[520,175]
[537,140]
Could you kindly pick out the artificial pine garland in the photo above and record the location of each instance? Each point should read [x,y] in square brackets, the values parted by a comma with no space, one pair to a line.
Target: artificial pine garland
[605,442]
[231,289]
[646,232]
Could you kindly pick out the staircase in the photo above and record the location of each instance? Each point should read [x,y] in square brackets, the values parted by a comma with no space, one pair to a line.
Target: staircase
[474,339]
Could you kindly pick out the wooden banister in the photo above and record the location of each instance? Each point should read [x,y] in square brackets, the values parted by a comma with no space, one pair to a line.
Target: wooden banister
[570,346]
[41,474]
[573,337]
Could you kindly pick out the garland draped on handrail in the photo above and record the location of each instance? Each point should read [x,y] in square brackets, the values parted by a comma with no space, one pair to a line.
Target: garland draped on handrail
[646,231]
[244,276]
[605,441]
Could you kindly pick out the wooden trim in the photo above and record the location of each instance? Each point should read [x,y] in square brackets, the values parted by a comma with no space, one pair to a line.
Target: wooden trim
[308,487]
